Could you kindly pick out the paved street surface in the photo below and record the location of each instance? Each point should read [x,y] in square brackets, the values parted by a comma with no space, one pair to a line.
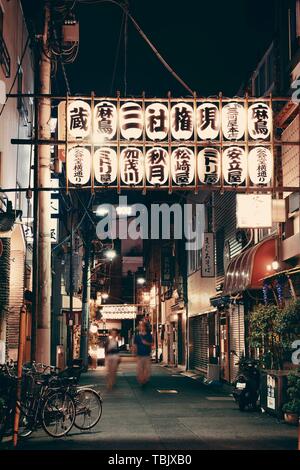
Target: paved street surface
[197,417]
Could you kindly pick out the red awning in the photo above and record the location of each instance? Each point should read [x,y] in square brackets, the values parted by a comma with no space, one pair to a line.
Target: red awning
[246,270]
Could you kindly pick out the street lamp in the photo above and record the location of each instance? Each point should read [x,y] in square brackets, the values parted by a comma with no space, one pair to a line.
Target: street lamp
[141,281]
[110,254]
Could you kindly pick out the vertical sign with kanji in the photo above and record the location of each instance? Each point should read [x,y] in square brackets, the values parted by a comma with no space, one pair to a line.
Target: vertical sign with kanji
[208,256]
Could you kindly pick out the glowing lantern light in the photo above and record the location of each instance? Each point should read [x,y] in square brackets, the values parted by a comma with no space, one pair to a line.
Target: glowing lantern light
[131,120]
[79,165]
[105,120]
[260,164]
[208,121]
[105,165]
[131,165]
[182,121]
[209,167]
[234,165]
[233,121]
[156,165]
[157,121]
[78,119]
[183,166]
[259,121]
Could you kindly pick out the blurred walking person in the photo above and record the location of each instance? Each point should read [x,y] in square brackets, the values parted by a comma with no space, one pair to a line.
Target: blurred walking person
[112,358]
[142,347]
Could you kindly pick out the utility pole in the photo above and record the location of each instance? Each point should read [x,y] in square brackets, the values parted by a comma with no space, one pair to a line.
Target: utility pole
[86,294]
[43,334]
[71,294]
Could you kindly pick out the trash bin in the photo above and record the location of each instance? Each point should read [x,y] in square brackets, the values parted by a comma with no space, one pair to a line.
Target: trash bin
[273,386]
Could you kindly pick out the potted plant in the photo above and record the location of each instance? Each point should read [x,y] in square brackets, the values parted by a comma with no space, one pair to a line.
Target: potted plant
[273,328]
[291,409]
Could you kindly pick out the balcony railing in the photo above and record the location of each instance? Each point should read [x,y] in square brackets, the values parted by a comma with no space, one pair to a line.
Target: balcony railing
[4,57]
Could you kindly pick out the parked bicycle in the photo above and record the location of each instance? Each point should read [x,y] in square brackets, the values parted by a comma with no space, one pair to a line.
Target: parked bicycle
[50,398]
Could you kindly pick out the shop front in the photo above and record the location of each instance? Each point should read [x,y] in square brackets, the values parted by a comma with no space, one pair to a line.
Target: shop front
[242,290]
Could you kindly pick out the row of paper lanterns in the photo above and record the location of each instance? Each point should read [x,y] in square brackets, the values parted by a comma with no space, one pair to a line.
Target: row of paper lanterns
[234,120]
[155,165]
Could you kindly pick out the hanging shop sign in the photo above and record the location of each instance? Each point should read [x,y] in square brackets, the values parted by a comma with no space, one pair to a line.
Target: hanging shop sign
[167,143]
[208,256]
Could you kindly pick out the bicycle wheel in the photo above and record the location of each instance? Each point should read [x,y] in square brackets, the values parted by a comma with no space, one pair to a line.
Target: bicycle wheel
[3,418]
[88,408]
[58,414]
[26,421]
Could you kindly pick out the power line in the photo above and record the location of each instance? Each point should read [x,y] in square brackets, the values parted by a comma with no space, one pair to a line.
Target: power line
[16,75]
[125,8]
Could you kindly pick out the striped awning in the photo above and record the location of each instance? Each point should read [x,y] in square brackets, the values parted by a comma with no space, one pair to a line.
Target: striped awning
[247,270]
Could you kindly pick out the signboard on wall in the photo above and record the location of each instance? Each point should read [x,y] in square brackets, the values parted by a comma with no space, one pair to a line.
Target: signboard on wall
[167,143]
[254,210]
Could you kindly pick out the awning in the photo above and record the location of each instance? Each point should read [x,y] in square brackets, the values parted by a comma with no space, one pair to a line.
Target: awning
[247,270]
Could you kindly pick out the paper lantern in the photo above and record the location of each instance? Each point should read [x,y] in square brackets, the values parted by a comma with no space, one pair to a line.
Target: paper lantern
[131,165]
[131,120]
[79,165]
[209,166]
[105,165]
[259,121]
[233,121]
[78,119]
[157,121]
[157,165]
[183,166]
[260,165]
[234,165]
[182,121]
[208,121]
[105,121]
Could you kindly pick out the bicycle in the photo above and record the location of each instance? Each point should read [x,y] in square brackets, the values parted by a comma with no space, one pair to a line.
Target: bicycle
[44,405]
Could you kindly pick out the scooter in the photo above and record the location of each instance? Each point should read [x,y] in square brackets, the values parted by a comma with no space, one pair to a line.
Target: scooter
[246,384]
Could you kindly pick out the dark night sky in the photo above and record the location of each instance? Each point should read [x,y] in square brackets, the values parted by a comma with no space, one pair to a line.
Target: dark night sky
[212,45]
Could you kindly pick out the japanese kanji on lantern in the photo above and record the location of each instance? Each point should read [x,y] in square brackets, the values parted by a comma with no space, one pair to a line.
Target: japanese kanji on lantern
[167,143]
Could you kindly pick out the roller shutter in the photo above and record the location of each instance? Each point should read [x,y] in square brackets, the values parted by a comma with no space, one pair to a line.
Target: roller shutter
[237,336]
[199,342]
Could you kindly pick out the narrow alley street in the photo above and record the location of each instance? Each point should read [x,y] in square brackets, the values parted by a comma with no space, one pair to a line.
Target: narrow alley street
[196,417]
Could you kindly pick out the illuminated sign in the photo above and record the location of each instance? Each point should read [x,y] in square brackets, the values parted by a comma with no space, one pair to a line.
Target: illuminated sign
[167,143]
[249,204]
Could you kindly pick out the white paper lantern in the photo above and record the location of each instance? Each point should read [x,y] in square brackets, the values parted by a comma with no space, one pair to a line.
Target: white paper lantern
[131,165]
[182,121]
[131,120]
[157,165]
[105,121]
[105,165]
[157,121]
[259,121]
[208,121]
[78,119]
[234,165]
[79,165]
[233,121]
[260,164]
[209,166]
[183,166]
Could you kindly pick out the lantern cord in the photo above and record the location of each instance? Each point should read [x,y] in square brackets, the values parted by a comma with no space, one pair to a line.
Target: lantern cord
[146,39]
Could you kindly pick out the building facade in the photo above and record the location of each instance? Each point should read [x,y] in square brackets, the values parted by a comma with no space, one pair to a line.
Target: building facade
[16,121]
